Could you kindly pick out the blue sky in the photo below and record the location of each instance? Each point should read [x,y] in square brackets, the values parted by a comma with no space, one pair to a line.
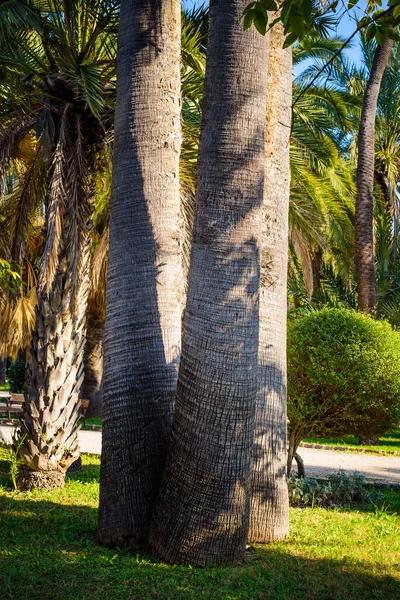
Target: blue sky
[345,27]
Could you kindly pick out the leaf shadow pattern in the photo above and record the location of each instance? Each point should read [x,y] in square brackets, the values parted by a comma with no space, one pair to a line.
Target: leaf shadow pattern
[48,551]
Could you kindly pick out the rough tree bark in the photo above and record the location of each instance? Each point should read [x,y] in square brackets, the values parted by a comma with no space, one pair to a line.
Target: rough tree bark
[145,283]
[203,511]
[364,225]
[55,374]
[3,368]
[269,516]
[92,388]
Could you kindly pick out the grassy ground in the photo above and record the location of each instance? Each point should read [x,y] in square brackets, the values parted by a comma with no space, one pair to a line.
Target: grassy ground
[4,387]
[48,550]
[389,443]
[94,421]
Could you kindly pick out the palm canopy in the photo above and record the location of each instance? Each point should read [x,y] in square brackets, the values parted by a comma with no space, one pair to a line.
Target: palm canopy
[57,92]
[321,209]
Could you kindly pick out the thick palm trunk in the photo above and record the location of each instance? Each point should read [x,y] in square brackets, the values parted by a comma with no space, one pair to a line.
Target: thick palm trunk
[269,517]
[365,182]
[54,375]
[92,388]
[3,369]
[203,512]
[145,283]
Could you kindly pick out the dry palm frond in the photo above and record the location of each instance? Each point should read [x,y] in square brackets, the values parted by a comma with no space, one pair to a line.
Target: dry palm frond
[100,262]
[31,194]
[17,322]
[301,247]
[78,209]
[10,138]
[51,252]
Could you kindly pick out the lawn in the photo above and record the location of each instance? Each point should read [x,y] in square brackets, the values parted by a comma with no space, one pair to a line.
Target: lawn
[48,551]
[389,443]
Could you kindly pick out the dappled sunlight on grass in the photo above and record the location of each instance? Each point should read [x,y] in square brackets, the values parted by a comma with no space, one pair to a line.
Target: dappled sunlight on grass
[48,550]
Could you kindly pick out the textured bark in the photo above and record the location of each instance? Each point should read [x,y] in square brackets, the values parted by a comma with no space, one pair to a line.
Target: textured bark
[3,368]
[364,227]
[203,511]
[145,283]
[92,388]
[269,517]
[295,438]
[39,480]
[55,373]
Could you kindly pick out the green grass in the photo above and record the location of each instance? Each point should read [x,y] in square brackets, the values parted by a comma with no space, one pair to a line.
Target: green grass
[94,421]
[389,443]
[4,387]
[48,551]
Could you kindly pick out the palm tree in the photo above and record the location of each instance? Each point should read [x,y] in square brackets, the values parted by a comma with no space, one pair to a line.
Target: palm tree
[59,80]
[321,210]
[202,516]
[193,37]
[145,276]
[365,181]
[269,515]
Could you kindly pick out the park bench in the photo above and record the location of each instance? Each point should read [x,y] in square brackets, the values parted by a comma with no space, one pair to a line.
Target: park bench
[11,403]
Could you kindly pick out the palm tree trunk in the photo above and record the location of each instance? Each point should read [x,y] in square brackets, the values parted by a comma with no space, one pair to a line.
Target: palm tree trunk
[3,369]
[269,517]
[203,512]
[54,375]
[365,182]
[145,278]
[92,388]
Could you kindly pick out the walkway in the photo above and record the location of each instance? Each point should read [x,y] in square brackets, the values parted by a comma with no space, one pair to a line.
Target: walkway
[318,463]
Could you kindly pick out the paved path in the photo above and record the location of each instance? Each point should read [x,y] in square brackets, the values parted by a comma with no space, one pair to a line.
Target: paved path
[318,463]
[90,441]
[321,463]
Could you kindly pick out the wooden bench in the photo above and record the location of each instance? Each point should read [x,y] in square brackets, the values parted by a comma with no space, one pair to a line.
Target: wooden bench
[11,403]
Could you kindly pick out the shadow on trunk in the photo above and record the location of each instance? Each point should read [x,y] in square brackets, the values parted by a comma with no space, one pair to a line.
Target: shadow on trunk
[145,284]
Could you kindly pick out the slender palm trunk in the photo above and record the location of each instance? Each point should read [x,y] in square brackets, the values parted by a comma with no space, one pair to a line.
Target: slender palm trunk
[203,511]
[55,374]
[365,182]
[92,388]
[269,517]
[145,283]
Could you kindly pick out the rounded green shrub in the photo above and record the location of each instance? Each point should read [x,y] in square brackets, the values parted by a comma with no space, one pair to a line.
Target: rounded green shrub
[343,376]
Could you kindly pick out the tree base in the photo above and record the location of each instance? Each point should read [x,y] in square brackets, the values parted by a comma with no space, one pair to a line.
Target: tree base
[40,480]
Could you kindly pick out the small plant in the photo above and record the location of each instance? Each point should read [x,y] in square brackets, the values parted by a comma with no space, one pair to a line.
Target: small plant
[10,454]
[16,376]
[339,489]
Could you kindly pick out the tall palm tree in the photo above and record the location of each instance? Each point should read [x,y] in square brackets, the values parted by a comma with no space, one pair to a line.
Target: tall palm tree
[193,37]
[269,515]
[59,81]
[203,511]
[365,181]
[145,276]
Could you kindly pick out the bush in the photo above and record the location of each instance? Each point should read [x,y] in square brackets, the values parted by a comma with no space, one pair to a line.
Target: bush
[343,376]
[338,490]
[16,376]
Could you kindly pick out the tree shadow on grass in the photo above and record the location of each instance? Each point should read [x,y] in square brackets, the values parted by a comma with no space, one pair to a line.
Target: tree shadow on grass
[49,550]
